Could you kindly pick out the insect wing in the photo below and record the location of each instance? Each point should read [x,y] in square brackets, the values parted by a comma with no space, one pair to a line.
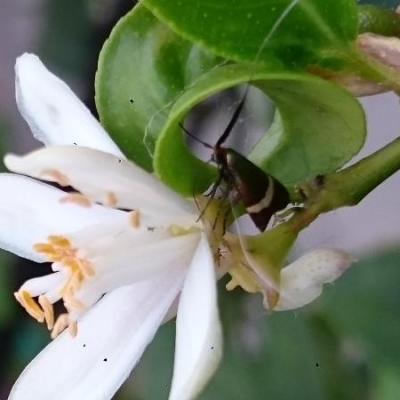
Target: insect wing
[262,195]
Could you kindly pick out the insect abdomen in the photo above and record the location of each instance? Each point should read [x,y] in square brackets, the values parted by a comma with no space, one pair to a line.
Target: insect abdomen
[262,195]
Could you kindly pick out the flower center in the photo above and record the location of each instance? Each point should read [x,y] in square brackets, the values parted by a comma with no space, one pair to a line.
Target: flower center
[76,269]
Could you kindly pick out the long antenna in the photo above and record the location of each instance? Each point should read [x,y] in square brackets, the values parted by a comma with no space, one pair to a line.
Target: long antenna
[233,120]
[195,138]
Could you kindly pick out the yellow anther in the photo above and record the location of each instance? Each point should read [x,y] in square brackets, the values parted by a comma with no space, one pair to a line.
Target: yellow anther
[73,328]
[111,199]
[60,325]
[57,176]
[76,198]
[69,261]
[135,218]
[86,267]
[63,322]
[48,311]
[43,247]
[31,307]
[61,241]
[57,248]
[71,303]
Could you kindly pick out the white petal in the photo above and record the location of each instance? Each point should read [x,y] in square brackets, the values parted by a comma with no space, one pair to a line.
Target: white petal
[100,175]
[138,264]
[110,341]
[30,211]
[303,280]
[143,262]
[198,338]
[114,238]
[53,112]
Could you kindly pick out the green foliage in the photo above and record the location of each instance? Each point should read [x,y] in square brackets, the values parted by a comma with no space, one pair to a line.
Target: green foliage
[296,32]
[315,119]
[143,68]
[149,78]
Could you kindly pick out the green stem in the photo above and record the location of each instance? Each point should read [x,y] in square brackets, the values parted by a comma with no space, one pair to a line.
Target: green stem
[350,185]
[361,178]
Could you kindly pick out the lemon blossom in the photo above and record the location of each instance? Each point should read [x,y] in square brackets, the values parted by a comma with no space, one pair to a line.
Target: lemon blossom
[118,273]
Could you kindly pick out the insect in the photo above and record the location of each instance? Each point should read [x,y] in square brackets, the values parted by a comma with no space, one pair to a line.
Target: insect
[261,194]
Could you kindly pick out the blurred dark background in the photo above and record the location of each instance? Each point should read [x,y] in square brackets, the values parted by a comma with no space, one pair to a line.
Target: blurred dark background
[343,346]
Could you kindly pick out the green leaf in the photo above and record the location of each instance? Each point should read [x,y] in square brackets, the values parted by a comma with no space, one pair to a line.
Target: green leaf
[321,127]
[143,68]
[295,31]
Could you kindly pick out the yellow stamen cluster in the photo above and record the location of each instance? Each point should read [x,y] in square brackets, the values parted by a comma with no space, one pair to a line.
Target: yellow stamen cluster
[59,249]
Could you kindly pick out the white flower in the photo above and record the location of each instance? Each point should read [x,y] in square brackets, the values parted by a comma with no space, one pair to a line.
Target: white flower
[117,272]
[120,274]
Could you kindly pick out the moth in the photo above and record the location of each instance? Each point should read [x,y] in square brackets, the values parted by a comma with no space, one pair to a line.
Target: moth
[262,195]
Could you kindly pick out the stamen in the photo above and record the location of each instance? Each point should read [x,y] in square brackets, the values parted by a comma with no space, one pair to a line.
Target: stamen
[73,328]
[31,307]
[58,177]
[58,240]
[63,322]
[59,249]
[48,311]
[72,304]
[86,267]
[43,247]
[76,198]
[60,325]
[135,218]
[111,199]
[71,285]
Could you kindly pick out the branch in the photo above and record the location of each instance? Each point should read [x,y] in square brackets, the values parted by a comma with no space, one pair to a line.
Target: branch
[348,186]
